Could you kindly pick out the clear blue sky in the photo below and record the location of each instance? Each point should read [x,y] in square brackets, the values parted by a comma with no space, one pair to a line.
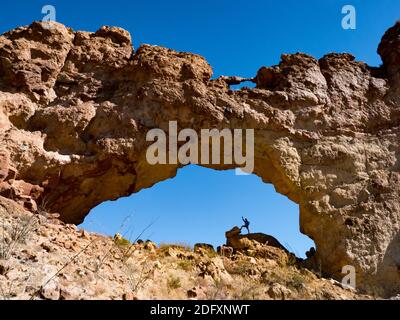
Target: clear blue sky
[237,37]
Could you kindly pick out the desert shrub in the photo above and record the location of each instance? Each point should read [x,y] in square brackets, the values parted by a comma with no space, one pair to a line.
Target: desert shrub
[239,267]
[16,233]
[247,292]
[210,253]
[183,246]
[217,291]
[23,228]
[185,264]
[138,276]
[121,241]
[297,281]
[271,277]
[173,282]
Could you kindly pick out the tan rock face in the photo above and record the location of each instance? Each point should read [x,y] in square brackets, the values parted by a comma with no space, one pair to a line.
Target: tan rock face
[4,159]
[75,108]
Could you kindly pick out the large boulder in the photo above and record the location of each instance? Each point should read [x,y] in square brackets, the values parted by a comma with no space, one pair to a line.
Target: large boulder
[250,241]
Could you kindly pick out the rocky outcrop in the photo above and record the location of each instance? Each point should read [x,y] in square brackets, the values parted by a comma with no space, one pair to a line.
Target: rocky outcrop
[251,241]
[75,108]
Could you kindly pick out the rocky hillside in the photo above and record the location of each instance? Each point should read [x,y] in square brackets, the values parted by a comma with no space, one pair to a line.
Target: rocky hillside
[43,258]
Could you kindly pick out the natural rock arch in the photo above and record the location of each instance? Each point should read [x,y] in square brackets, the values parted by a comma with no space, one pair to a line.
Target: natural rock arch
[218,199]
[76,106]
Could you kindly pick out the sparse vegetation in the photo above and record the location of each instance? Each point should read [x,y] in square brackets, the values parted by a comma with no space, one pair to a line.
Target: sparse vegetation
[291,261]
[240,267]
[121,241]
[173,283]
[298,281]
[210,253]
[217,291]
[250,291]
[15,233]
[63,267]
[185,264]
[270,277]
[165,246]
[139,276]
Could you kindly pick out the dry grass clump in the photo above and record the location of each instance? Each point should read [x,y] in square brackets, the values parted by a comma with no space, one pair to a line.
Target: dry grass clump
[186,264]
[173,283]
[179,245]
[239,267]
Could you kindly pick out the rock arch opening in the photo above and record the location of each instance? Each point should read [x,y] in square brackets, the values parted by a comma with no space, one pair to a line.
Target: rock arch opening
[198,206]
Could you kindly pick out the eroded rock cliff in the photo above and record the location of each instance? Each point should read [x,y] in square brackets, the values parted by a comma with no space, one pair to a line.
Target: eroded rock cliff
[75,108]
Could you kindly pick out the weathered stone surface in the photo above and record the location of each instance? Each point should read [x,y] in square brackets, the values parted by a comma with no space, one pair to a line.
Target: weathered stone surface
[75,108]
[4,163]
[51,291]
[279,292]
[205,246]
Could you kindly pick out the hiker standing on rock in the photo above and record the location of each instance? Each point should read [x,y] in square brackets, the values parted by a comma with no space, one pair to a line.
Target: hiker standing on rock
[246,225]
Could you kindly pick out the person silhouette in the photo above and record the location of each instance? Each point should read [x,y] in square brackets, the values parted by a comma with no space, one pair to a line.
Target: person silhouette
[246,224]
